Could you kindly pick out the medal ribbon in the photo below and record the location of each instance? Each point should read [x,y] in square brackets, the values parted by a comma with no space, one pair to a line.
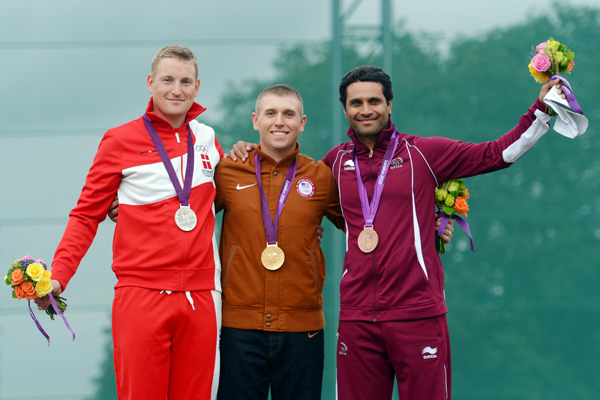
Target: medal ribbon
[272,226]
[566,88]
[369,209]
[182,193]
[461,222]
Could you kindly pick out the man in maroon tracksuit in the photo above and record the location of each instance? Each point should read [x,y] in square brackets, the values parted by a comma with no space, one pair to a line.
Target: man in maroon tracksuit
[393,310]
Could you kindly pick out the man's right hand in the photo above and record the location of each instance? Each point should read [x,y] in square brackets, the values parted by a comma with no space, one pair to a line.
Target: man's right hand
[240,149]
[44,302]
[447,236]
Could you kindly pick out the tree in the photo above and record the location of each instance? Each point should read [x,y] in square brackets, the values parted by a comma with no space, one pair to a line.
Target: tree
[106,383]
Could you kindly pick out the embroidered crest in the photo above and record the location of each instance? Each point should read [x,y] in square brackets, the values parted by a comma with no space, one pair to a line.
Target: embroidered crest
[207,169]
[396,163]
[349,165]
[305,187]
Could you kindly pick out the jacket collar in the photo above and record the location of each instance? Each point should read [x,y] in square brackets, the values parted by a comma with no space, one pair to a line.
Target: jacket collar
[383,140]
[157,121]
[268,162]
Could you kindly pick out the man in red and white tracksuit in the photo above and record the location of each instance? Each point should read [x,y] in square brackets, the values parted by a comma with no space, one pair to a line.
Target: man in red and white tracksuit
[392,318]
[166,314]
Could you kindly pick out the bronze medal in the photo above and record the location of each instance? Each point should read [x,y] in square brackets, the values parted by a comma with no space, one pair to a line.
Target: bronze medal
[368,240]
[272,257]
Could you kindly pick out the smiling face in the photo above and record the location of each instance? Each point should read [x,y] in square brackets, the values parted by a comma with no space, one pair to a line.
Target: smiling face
[279,120]
[173,85]
[367,110]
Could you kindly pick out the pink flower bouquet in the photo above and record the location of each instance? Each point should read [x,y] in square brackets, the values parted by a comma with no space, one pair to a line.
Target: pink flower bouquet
[550,58]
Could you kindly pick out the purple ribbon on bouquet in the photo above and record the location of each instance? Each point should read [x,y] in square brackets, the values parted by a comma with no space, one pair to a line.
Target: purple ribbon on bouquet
[566,88]
[461,222]
[39,326]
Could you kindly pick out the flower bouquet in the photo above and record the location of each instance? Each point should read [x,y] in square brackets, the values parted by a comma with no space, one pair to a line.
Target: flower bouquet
[451,199]
[549,60]
[29,280]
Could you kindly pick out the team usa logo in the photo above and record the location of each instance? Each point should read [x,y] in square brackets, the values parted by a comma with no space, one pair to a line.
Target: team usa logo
[207,169]
[305,187]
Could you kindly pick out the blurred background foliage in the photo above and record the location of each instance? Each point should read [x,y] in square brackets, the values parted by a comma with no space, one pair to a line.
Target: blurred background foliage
[524,314]
[524,307]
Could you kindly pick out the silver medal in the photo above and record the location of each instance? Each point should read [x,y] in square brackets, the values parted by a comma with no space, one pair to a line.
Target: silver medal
[185,218]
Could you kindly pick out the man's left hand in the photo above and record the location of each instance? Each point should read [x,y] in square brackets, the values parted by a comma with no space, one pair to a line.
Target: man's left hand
[113,210]
[548,85]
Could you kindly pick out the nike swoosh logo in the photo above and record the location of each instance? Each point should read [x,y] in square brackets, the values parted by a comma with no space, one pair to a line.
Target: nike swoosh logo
[312,335]
[238,187]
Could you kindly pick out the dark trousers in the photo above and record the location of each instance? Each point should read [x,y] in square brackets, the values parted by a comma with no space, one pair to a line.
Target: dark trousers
[290,363]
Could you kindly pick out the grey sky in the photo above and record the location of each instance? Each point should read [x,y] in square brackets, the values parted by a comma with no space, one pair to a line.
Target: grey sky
[72,69]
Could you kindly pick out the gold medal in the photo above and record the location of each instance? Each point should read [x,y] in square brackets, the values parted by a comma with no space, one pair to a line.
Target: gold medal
[272,257]
[368,240]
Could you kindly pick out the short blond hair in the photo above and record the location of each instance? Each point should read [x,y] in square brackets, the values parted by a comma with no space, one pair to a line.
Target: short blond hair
[174,51]
[280,90]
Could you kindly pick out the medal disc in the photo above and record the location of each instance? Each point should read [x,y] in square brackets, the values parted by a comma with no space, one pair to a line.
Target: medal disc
[368,240]
[272,257]
[185,218]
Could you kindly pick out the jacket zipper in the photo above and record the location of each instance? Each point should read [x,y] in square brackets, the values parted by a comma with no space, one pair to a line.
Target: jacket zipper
[185,236]
[181,158]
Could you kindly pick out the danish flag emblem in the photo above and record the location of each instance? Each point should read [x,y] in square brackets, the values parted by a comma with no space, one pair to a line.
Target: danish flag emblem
[205,161]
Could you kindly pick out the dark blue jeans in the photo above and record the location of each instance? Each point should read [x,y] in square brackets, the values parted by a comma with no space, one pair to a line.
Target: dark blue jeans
[291,363]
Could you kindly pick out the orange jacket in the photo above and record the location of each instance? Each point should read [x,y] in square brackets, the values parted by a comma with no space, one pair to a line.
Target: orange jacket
[288,299]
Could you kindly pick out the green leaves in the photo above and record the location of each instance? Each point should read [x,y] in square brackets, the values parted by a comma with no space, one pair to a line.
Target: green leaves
[8,277]
[447,193]
[448,210]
